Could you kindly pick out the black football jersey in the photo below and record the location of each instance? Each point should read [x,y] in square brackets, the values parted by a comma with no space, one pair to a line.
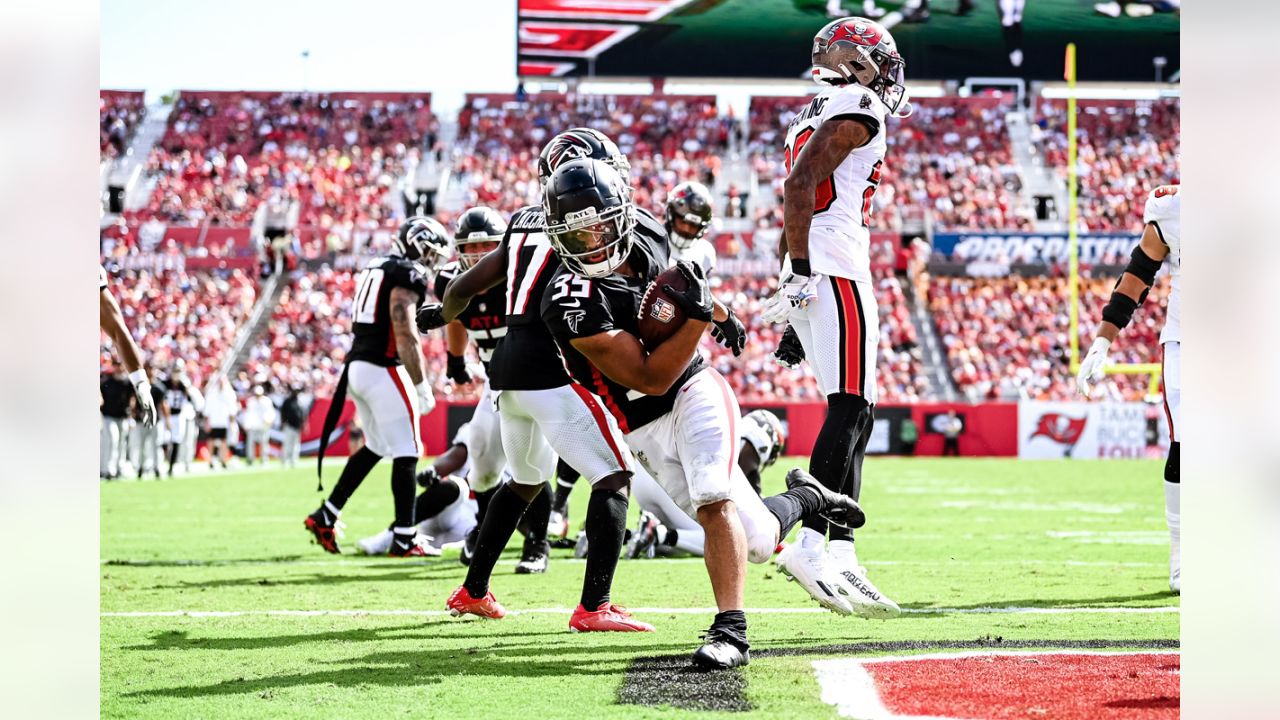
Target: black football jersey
[374,341]
[485,317]
[527,358]
[575,307]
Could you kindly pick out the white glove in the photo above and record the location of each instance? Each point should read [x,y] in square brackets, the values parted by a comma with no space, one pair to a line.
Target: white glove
[794,292]
[146,404]
[1091,366]
[426,398]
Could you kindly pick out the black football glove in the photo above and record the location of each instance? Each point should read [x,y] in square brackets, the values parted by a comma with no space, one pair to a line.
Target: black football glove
[790,352]
[696,300]
[456,369]
[730,334]
[428,477]
[431,317]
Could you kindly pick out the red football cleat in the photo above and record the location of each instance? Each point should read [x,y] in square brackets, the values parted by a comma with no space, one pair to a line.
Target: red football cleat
[609,618]
[326,536]
[461,603]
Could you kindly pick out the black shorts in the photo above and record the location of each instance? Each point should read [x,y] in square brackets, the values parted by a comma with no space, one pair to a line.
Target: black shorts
[217,433]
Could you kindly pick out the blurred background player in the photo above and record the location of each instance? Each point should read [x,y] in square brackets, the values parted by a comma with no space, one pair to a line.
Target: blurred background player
[689,213]
[1161,242]
[220,406]
[445,509]
[183,401]
[111,320]
[484,322]
[678,413]
[388,382]
[258,417]
[542,413]
[835,150]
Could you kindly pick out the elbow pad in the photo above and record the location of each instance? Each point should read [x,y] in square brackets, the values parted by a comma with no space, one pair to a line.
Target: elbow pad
[1119,310]
[1143,267]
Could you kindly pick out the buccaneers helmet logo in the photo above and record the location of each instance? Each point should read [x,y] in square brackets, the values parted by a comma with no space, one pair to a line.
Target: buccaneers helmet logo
[856,32]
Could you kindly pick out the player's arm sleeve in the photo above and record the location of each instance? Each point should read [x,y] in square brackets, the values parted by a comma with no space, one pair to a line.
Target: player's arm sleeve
[442,281]
[859,106]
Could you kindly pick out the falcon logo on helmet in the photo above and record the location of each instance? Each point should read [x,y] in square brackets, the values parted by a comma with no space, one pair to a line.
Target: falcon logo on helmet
[859,51]
[578,143]
[423,240]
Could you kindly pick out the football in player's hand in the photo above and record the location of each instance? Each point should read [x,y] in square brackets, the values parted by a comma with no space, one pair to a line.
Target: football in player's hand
[660,314]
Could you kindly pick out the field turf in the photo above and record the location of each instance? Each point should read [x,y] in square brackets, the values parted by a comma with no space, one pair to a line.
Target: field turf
[195,572]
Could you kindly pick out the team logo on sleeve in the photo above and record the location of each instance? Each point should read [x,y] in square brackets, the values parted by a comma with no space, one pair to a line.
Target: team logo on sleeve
[573,317]
[865,102]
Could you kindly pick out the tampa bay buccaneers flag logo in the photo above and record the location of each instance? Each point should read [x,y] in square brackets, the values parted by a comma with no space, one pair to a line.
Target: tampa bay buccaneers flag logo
[1060,429]
[857,32]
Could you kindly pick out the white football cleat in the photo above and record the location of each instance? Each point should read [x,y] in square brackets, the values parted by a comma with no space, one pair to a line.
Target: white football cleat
[557,526]
[378,544]
[851,580]
[804,565]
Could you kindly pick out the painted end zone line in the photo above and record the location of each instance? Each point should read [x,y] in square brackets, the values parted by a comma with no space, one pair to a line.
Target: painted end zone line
[655,611]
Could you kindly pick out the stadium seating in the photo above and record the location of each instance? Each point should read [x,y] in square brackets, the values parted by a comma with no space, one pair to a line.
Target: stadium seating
[952,158]
[1127,148]
[119,112]
[1008,338]
[179,315]
[667,138]
[340,155]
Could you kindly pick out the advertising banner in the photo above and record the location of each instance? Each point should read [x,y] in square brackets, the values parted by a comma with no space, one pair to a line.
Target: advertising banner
[1051,430]
[1033,248]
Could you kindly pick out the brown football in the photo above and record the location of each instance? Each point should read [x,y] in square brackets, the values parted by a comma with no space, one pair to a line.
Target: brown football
[660,316]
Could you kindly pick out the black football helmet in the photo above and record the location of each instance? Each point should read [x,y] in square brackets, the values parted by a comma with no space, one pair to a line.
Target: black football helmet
[589,216]
[577,143]
[692,203]
[477,226]
[423,240]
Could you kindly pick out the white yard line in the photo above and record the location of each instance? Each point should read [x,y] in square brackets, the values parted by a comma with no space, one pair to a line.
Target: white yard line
[361,561]
[643,610]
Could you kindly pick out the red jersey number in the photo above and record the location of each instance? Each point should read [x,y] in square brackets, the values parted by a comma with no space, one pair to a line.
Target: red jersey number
[825,196]
[870,192]
[1166,190]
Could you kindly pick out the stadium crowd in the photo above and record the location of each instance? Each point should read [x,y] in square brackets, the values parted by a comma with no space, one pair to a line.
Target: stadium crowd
[1126,148]
[1007,338]
[119,113]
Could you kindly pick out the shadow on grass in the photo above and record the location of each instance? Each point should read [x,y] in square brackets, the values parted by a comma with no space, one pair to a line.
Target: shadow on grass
[427,631]
[424,667]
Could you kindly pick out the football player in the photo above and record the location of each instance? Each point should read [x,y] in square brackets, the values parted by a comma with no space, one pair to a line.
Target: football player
[111,320]
[1161,243]
[542,413]
[446,508]
[690,210]
[484,322]
[183,401]
[386,374]
[834,157]
[666,529]
[678,413]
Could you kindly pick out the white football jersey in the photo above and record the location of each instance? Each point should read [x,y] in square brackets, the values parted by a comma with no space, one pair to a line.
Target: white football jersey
[1164,209]
[840,238]
[701,253]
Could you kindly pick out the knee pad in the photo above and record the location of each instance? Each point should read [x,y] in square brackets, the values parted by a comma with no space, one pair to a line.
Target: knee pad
[1171,464]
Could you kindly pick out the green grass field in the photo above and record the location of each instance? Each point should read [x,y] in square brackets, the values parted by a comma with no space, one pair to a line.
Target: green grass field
[948,539]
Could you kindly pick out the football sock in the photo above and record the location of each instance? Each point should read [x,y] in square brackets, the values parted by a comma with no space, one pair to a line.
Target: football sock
[793,506]
[731,625]
[404,487]
[432,501]
[357,468]
[853,479]
[500,519]
[606,523]
[690,540]
[536,517]
[833,450]
[566,476]
[482,503]
[1173,501]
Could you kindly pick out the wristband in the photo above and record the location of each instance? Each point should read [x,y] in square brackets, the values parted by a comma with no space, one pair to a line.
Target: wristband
[137,377]
[800,266]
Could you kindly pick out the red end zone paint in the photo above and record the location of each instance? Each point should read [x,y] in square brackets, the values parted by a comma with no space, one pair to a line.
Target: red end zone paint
[1048,685]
